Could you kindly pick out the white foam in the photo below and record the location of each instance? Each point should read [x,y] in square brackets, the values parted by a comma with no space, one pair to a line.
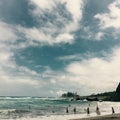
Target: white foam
[58,117]
[105,109]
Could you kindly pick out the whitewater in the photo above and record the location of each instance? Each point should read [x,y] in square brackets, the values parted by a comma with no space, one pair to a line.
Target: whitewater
[37,108]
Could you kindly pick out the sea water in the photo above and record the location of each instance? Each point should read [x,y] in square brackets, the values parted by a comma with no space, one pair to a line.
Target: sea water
[37,108]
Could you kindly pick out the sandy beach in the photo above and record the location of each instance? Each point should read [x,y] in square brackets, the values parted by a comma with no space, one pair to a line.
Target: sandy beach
[105,117]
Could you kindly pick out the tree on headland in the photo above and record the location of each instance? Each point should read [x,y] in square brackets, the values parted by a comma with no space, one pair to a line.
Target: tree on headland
[70,95]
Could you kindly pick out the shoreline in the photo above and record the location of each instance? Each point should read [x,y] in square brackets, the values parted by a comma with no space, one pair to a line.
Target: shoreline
[102,117]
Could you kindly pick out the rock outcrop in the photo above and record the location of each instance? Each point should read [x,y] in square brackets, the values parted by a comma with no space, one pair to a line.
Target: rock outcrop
[117,93]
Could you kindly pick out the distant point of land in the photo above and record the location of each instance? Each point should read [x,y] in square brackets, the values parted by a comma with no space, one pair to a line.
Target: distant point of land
[106,96]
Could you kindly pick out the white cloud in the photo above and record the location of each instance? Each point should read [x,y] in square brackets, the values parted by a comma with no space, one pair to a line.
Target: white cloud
[7,36]
[99,35]
[26,70]
[93,75]
[34,34]
[69,57]
[7,32]
[50,32]
[89,34]
[4,55]
[66,38]
[42,5]
[112,18]
[74,7]
[52,81]
[20,79]
[96,74]
[60,92]
[12,76]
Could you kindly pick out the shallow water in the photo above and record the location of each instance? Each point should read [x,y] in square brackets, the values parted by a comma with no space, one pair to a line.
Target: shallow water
[34,108]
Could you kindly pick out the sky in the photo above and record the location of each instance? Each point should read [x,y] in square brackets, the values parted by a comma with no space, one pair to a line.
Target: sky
[48,47]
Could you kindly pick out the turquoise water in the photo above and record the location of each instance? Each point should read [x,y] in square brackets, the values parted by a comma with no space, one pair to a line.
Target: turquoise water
[34,107]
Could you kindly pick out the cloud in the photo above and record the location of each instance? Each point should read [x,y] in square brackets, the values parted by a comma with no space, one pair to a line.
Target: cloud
[34,34]
[7,36]
[112,18]
[88,33]
[60,92]
[96,74]
[57,21]
[59,28]
[107,23]
[7,32]
[99,35]
[65,37]
[76,57]
[13,77]
[42,4]
[20,79]
[93,75]
[75,8]
[52,81]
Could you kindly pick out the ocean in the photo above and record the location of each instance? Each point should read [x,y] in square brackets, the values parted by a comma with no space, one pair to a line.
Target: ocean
[37,108]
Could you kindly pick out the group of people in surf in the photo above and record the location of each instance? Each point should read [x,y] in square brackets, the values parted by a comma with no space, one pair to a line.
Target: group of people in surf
[98,111]
[88,110]
[74,110]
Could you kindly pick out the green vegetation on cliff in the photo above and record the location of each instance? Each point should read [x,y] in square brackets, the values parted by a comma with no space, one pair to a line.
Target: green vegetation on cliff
[106,96]
[70,95]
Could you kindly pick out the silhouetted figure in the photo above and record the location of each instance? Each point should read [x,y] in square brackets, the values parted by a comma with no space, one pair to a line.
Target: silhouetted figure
[67,111]
[29,107]
[113,111]
[97,110]
[74,110]
[88,111]
[53,111]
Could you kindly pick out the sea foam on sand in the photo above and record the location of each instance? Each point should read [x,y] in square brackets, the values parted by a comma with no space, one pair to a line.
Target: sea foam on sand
[60,117]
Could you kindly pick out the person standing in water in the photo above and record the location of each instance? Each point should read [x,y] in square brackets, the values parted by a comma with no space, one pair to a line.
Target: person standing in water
[67,111]
[97,110]
[113,111]
[88,111]
[74,110]
[29,107]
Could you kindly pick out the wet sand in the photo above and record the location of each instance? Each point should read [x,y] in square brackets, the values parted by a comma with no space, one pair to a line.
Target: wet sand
[105,117]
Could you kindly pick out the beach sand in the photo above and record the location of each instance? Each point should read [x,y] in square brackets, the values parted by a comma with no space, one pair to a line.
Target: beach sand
[105,117]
